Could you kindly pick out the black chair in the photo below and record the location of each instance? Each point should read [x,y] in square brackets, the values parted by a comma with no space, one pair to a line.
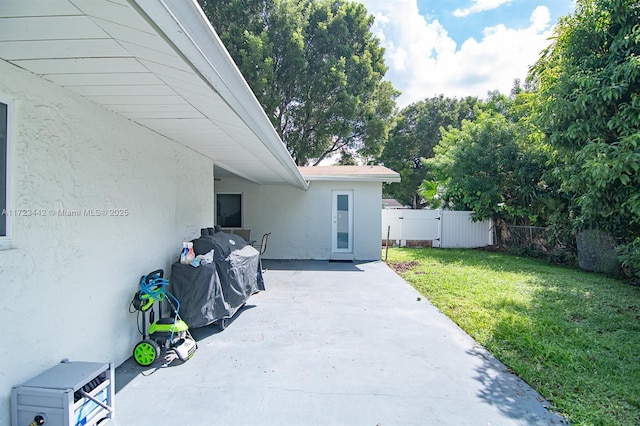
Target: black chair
[263,247]
[263,243]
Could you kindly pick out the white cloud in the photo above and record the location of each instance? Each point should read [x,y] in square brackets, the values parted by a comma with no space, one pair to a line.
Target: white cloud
[480,6]
[540,18]
[424,61]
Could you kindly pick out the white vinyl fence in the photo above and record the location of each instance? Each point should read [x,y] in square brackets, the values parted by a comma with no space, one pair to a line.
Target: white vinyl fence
[446,229]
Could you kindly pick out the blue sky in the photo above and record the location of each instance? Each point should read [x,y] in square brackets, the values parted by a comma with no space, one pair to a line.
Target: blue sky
[461,47]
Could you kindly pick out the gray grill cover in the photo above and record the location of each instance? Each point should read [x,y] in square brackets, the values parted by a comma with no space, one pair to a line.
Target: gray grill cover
[211,292]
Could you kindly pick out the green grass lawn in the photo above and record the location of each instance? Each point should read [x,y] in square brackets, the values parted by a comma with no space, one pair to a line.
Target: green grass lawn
[572,335]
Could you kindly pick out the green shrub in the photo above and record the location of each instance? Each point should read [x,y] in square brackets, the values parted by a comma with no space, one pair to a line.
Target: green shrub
[629,258]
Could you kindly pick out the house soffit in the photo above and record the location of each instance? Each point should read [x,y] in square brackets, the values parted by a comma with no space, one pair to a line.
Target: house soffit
[139,60]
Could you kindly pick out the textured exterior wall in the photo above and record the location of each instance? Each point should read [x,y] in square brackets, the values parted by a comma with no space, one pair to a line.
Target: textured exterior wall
[67,282]
[300,221]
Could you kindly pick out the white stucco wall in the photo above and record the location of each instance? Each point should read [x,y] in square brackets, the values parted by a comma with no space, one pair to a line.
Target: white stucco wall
[67,282]
[300,221]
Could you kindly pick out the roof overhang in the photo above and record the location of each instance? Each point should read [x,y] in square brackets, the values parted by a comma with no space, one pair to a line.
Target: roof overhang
[158,63]
[350,173]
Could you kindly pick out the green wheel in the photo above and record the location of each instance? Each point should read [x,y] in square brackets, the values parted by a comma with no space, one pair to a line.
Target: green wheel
[146,352]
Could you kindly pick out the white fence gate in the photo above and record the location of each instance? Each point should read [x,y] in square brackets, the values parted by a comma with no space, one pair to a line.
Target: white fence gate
[446,229]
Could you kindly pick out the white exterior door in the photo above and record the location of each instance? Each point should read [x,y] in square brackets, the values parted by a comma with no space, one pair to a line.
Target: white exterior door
[342,225]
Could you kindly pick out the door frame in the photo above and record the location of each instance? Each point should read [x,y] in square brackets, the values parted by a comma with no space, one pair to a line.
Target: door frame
[341,253]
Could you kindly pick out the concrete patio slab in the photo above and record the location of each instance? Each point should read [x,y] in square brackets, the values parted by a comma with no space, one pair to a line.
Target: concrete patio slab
[331,344]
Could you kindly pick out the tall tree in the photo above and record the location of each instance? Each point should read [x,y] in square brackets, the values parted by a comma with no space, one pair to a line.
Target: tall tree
[416,131]
[491,167]
[589,106]
[316,69]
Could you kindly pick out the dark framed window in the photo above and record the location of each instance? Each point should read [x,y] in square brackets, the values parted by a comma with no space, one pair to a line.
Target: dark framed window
[229,210]
[4,167]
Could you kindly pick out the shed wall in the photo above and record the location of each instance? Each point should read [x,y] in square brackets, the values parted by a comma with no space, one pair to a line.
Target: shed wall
[300,221]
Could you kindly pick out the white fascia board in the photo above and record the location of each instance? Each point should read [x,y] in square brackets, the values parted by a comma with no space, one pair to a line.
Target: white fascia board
[183,24]
[364,178]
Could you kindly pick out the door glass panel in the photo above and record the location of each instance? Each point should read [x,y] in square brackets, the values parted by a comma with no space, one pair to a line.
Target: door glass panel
[342,227]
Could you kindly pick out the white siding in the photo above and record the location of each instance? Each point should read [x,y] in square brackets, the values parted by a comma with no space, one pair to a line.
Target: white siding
[67,282]
[300,221]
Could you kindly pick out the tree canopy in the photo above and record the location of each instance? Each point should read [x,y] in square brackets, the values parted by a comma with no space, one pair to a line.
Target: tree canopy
[316,69]
[588,83]
[494,165]
[416,130]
